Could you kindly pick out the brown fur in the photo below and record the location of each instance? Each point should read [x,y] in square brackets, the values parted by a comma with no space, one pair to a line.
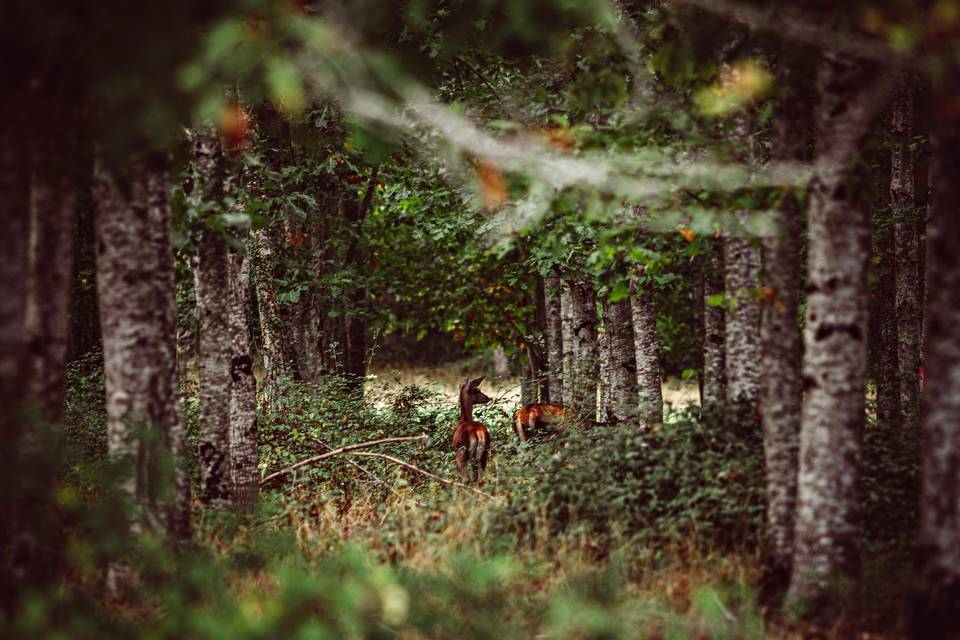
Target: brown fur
[471,440]
[536,416]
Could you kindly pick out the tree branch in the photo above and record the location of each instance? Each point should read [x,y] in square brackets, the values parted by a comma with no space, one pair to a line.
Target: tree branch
[336,452]
[373,454]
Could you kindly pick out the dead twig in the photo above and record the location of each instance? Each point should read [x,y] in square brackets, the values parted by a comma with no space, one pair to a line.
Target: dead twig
[402,463]
[336,452]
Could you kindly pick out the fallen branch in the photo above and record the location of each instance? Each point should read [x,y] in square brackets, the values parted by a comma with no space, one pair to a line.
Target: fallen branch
[377,479]
[403,463]
[336,452]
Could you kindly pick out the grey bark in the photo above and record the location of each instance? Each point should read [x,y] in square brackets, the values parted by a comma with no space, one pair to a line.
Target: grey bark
[137,316]
[569,345]
[907,240]
[606,357]
[742,321]
[539,358]
[554,338]
[53,203]
[714,323]
[781,391]
[243,455]
[939,614]
[586,365]
[646,353]
[213,308]
[827,548]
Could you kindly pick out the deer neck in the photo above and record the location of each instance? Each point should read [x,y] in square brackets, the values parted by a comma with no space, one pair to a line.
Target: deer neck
[466,408]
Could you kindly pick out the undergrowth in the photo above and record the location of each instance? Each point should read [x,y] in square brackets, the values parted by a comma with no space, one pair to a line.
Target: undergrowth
[598,533]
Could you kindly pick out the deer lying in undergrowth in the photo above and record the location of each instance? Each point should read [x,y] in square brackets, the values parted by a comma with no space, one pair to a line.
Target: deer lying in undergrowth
[471,440]
[536,416]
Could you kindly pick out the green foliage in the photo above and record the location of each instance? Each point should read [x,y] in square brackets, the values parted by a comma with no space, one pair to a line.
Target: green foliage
[679,482]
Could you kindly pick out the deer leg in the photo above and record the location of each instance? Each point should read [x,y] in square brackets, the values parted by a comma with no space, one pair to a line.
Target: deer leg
[462,461]
[482,462]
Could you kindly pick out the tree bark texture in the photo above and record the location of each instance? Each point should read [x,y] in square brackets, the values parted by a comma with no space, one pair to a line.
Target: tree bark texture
[213,310]
[939,614]
[606,357]
[781,391]
[243,455]
[623,361]
[53,204]
[586,348]
[554,339]
[569,344]
[742,336]
[646,352]
[137,314]
[907,241]
[828,529]
[540,359]
[885,323]
[714,330]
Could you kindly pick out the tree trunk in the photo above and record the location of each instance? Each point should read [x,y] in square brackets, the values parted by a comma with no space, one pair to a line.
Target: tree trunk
[244,455]
[137,314]
[275,362]
[569,345]
[213,308]
[623,360]
[742,337]
[826,563]
[586,350]
[606,357]
[903,202]
[554,339]
[939,612]
[781,391]
[885,323]
[714,330]
[540,359]
[14,211]
[53,202]
[646,352]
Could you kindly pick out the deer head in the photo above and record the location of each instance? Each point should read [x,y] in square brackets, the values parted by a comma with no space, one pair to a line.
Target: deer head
[470,395]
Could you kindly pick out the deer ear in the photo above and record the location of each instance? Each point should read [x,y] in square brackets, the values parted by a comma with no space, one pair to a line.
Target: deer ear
[476,383]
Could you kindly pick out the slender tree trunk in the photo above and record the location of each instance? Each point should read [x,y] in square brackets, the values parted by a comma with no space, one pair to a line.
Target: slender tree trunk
[742,337]
[781,391]
[623,361]
[540,358]
[554,339]
[939,612]
[646,352]
[244,456]
[826,563]
[606,357]
[50,253]
[213,305]
[569,344]
[885,323]
[714,330]
[14,211]
[137,314]
[903,202]
[587,364]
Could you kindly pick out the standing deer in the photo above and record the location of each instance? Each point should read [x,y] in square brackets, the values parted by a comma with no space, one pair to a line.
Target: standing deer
[536,416]
[471,440]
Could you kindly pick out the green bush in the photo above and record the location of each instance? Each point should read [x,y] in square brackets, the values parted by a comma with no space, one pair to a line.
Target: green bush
[680,481]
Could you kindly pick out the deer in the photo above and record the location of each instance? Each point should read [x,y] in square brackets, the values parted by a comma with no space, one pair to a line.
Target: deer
[471,440]
[538,415]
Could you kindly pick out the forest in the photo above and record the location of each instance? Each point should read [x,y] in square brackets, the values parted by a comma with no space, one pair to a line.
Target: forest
[463,319]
